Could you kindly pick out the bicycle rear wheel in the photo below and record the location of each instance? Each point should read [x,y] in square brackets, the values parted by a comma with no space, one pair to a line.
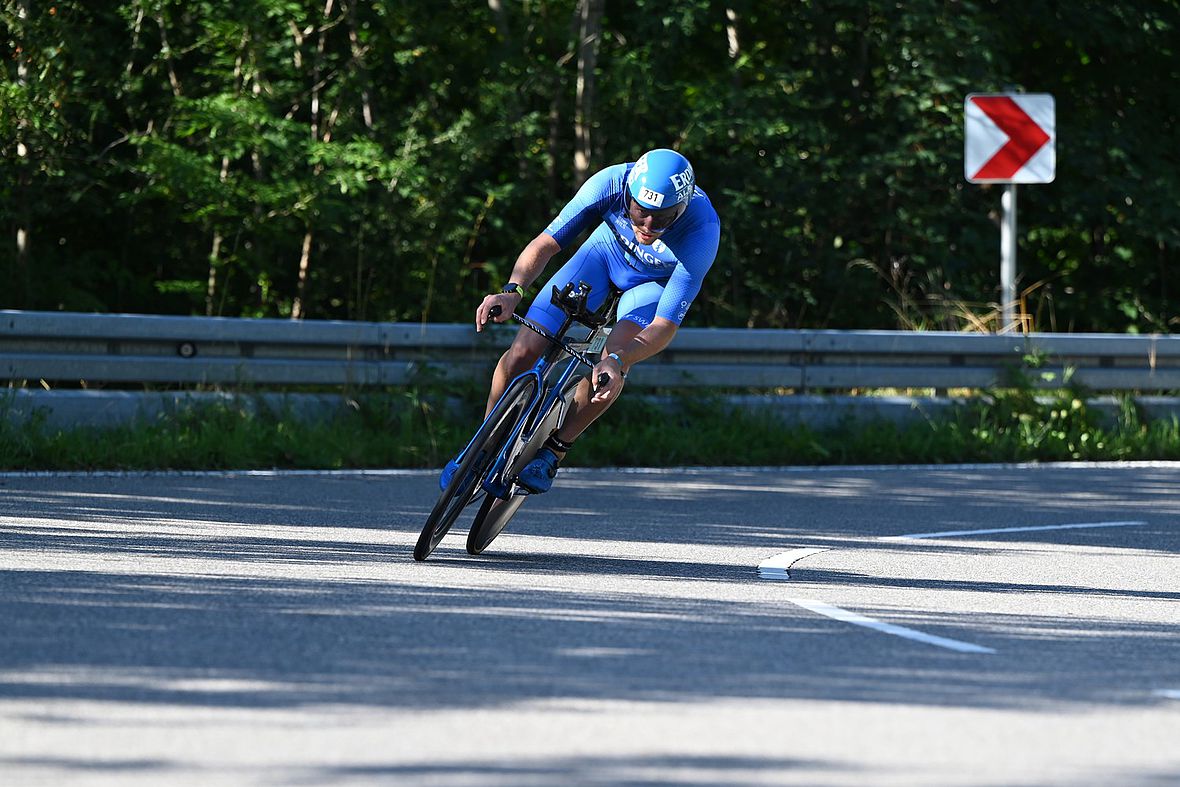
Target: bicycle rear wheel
[495,513]
[496,431]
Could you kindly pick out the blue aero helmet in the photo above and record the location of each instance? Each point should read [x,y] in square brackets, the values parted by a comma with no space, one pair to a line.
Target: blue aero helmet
[661,179]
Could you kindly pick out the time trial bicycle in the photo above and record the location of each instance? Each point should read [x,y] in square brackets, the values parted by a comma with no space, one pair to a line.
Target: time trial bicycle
[533,405]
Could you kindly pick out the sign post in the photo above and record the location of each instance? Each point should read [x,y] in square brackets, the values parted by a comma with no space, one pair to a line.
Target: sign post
[1010,138]
[1008,257]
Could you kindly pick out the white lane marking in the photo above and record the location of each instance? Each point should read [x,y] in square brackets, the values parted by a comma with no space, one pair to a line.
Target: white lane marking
[887,628]
[861,469]
[776,567]
[1172,694]
[951,533]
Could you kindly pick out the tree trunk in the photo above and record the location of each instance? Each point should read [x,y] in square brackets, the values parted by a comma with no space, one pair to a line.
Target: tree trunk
[298,307]
[358,58]
[731,34]
[222,178]
[211,283]
[135,31]
[554,138]
[167,51]
[316,69]
[497,9]
[589,32]
[23,179]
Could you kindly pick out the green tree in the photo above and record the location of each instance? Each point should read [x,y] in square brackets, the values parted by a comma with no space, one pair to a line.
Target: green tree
[387,160]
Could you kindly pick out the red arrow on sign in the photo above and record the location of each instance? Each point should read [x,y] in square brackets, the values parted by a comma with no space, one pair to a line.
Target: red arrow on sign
[1025,137]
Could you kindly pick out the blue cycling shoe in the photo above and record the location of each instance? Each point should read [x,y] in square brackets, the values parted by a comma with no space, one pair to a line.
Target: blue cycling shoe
[448,473]
[537,476]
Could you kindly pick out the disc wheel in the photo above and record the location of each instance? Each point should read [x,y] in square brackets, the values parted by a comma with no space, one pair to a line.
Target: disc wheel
[465,484]
[494,515]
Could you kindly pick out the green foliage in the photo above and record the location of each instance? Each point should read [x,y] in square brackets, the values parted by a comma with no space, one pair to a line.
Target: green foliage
[416,428]
[175,156]
[406,429]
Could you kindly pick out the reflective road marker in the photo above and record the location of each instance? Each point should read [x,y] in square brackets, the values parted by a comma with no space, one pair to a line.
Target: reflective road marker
[776,567]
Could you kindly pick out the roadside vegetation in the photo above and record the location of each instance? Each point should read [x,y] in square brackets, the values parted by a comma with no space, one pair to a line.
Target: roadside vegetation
[423,429]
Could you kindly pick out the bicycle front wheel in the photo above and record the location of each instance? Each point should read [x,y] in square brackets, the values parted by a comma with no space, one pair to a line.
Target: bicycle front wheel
[495,514]
[497,429]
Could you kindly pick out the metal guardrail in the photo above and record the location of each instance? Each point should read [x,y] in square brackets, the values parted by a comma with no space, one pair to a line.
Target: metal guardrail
[127,348]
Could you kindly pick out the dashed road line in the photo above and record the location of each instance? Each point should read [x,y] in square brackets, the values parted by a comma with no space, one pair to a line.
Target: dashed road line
[845,616]
[989,531]
[777,567]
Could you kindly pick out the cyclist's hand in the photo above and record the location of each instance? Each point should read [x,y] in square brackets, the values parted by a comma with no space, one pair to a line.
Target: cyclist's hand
[507,301]
[607,380]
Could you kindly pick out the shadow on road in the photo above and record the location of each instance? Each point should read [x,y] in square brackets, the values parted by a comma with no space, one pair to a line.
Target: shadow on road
[301,633]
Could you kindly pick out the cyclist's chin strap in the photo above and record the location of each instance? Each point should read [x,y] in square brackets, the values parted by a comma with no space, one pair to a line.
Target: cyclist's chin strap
[555,443]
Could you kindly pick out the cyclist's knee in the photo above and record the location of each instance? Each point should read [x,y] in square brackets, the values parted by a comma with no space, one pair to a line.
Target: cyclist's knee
[521,355]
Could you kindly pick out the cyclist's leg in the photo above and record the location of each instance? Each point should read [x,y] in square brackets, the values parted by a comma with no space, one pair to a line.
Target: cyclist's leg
[588,264]
[526,348]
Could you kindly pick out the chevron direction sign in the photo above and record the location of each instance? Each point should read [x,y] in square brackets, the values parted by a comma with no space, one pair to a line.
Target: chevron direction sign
[1010,138]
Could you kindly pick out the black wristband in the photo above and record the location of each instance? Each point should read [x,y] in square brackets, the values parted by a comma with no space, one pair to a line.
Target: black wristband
[513,287]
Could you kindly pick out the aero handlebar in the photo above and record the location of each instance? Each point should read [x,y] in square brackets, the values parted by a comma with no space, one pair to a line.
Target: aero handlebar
[603,378]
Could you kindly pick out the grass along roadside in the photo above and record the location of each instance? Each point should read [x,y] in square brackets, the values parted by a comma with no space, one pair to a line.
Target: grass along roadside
[412,429]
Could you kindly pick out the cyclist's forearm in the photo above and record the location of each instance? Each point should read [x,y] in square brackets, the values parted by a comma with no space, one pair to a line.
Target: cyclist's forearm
[498,306]
[533,259]
[648,342]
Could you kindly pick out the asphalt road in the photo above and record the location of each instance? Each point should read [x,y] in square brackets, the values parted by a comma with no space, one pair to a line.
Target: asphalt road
[274,630]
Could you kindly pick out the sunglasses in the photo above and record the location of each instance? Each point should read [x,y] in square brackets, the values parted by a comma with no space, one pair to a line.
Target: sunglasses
[661,220]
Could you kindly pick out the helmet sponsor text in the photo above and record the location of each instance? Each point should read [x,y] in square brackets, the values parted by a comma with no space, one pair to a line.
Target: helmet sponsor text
[683,183]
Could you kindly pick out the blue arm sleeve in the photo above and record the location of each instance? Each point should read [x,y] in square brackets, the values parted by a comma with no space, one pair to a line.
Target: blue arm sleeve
[696,253]
[588,206]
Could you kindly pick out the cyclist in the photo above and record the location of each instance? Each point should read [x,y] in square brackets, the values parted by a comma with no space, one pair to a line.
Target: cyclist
[656,236]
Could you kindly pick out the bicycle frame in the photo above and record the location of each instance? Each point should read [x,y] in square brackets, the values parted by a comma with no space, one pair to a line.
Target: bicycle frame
[545,397]
[548,389]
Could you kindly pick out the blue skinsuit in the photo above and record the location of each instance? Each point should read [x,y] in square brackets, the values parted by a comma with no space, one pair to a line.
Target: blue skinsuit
[660,280]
